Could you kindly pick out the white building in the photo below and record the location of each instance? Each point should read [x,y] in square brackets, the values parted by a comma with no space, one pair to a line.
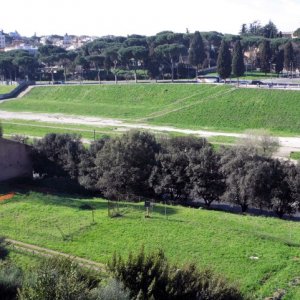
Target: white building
[2,40]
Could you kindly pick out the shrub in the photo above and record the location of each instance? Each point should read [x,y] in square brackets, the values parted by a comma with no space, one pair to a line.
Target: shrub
[152,277]
[57,278]
[10,281]
[112,290]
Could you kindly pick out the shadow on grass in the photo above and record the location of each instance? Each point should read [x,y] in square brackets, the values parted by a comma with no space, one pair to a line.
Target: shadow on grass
[53,192]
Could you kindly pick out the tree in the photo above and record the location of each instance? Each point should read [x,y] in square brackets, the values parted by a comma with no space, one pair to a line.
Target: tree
[240,167]
[88,171]
[224,61]
[111,60]
[169,178]
[171,53]
[124,164]
[297,33]
[133,56]
[97,61]
[238,66]
[269,30]
[244,29]
[196,51]
[261,140]
[282,198]
[288,56]
[279,61]
[58,155]
[265,55]
[204,173]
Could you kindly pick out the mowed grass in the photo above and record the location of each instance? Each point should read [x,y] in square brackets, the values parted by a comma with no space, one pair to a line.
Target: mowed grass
[4,89]
[195,106]
[40,129]
[117,101]
[258,253]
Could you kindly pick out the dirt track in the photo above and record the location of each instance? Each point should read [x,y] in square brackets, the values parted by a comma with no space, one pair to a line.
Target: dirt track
[287,144]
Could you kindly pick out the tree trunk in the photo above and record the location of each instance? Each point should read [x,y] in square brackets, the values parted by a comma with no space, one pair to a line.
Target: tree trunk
[99,76]
[135,77]
[172,69]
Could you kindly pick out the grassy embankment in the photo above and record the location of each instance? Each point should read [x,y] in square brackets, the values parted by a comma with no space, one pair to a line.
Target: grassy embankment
[259,253]
[4,89]
[220,108]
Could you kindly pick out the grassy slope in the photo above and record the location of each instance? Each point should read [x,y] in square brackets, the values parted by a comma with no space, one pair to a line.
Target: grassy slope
[185,106]
[4,89]
[220,240]
[40,129]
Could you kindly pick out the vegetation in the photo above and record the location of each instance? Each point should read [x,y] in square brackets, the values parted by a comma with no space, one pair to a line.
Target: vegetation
[152,277]
[178,169]
[223,241]
[185,106]
[224,61]
[4,89]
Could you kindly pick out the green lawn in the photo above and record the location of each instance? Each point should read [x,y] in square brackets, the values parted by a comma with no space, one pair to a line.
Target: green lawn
[295,155]
[220,108]
[40,129]
[4,89]
[222,241]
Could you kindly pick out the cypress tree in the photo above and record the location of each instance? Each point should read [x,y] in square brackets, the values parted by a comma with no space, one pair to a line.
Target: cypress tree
[196,51]
[288,55]
[279,61]
[265,54]
[238,66]
[224,61]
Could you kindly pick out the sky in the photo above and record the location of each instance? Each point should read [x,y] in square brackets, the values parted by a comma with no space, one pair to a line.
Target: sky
[125,17]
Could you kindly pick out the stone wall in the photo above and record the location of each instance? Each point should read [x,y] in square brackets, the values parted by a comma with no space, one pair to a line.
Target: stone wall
[15,160]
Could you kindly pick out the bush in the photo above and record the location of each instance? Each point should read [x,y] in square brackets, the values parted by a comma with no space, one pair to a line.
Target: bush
[113,290]
[10,281]
[3,250]
[152,277]
[57,278]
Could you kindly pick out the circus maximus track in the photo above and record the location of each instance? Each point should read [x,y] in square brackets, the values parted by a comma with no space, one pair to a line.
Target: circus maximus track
[287,144]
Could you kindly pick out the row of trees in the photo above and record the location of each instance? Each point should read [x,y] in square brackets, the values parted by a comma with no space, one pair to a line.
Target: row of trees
[165,55]
[175,170]
[266,59]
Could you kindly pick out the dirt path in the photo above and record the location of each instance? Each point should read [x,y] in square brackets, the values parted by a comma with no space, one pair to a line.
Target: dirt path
[40,251]
[287,144]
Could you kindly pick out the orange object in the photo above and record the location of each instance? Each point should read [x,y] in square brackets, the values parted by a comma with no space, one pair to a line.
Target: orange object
[7,196]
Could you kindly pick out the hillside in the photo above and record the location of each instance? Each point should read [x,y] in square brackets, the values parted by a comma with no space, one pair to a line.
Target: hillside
[182,105]
[260,254]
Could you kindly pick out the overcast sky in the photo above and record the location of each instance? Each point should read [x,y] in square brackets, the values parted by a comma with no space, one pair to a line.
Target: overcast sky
[123,17]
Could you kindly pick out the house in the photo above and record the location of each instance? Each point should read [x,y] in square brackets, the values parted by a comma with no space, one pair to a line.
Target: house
[15,161]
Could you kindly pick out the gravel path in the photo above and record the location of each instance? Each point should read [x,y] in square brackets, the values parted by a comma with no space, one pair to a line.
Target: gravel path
[287,144]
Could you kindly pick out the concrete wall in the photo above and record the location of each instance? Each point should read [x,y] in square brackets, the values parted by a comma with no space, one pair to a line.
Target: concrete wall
[15,161]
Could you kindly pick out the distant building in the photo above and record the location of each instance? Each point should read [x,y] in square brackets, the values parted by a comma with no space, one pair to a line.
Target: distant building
[32,50]
[15,35]
[67,40]
[15,161]
[2,40]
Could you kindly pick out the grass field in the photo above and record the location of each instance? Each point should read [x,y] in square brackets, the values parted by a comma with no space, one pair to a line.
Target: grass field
[222,241]
[36,129]
[4,89]
[295,155]
[182,105]
[40,129]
